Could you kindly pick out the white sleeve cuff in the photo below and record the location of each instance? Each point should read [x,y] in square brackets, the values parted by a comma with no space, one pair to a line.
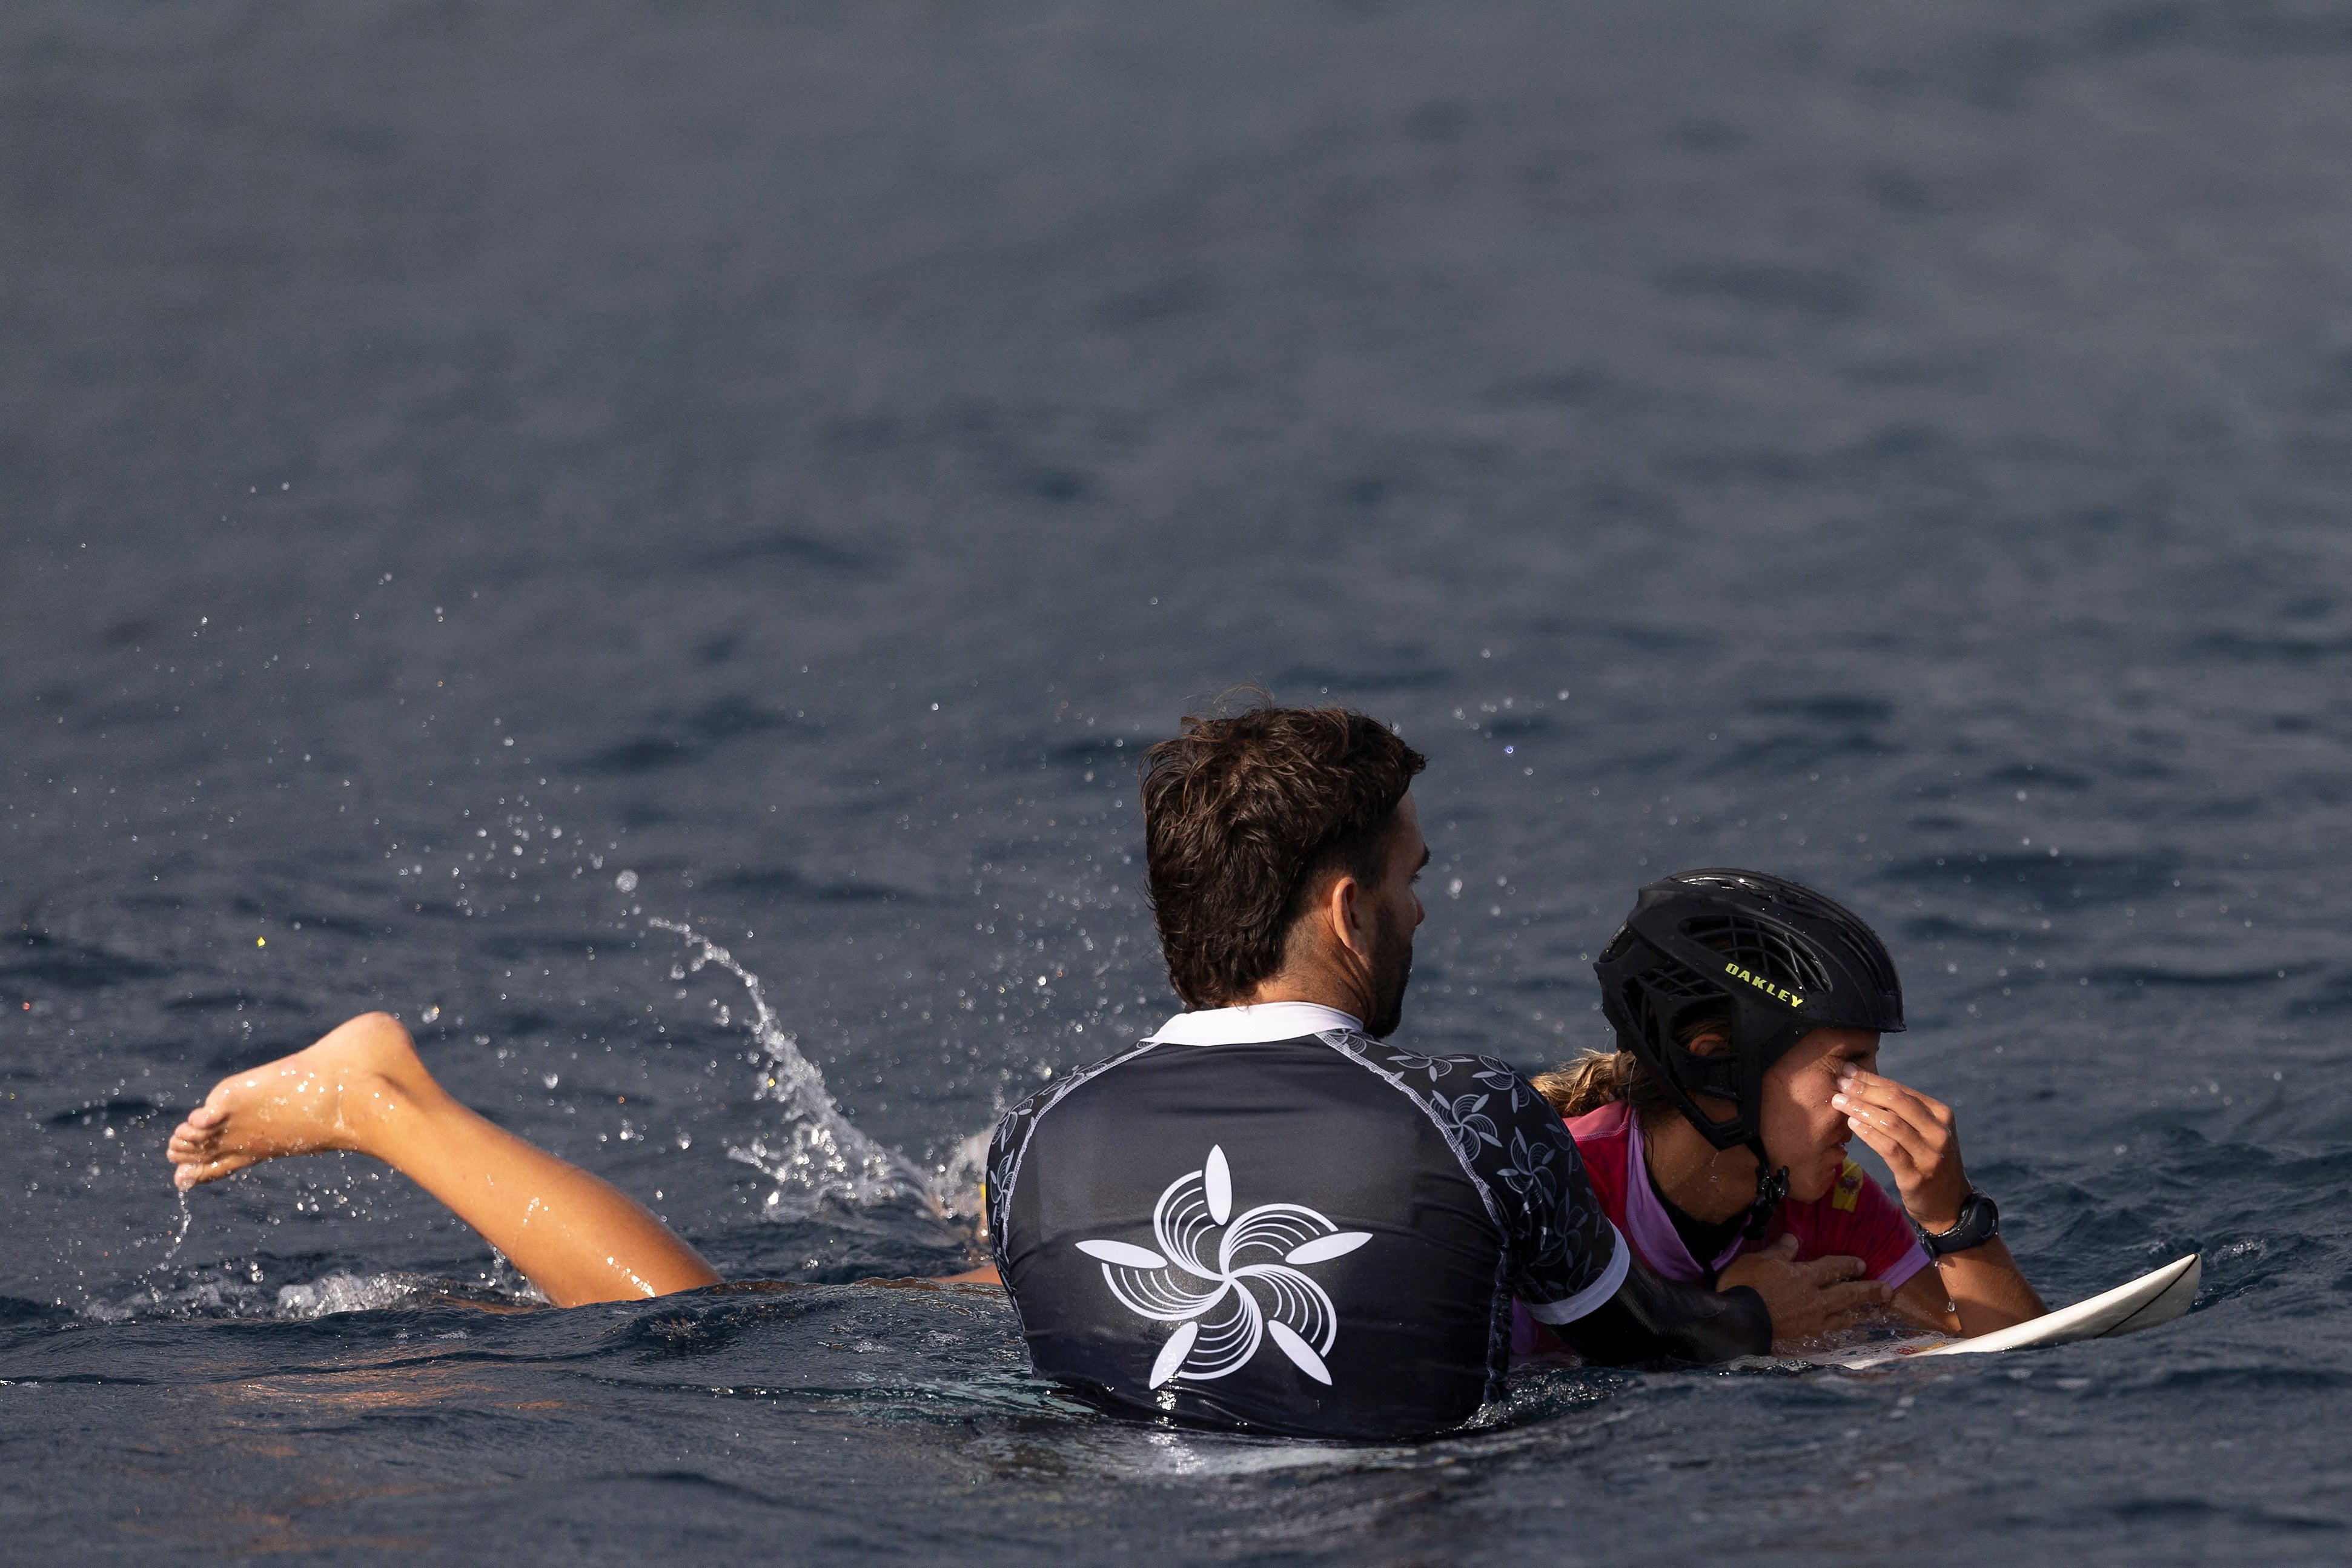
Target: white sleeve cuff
[1593,1296]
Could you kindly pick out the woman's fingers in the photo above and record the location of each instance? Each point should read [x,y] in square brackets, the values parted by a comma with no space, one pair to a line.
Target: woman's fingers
[1907,1117]
[1915,1134]
[1933,1189]
[1896,1142]
[1907,1104]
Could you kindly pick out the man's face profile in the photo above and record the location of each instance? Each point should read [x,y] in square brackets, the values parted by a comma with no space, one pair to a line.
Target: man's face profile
[1395,912]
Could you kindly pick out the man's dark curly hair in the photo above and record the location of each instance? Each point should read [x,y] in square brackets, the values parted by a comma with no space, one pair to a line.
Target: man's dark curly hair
[1246,816]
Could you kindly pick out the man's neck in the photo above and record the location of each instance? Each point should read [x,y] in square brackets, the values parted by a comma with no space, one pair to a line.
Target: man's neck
[1320,986]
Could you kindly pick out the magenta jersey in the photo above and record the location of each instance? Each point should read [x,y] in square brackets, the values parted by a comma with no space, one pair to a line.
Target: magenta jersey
[1855,1220]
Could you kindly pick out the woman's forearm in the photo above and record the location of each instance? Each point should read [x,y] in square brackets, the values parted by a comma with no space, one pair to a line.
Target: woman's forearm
[1987,1289]
[1969,1293]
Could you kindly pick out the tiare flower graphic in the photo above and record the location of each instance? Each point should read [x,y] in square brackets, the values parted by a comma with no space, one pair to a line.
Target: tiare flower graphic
[1221,1320]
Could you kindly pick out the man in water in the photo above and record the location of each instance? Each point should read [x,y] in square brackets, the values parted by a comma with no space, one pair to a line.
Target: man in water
[1261,1217]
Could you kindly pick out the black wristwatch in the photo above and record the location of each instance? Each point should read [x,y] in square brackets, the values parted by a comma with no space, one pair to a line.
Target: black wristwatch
[1979,1223]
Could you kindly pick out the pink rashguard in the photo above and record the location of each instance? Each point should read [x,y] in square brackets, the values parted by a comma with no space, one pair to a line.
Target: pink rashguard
[1855,1220]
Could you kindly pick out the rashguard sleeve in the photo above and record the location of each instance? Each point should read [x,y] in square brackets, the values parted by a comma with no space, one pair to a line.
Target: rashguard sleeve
[1651,1318]
[1570,1267]
[1564,1257]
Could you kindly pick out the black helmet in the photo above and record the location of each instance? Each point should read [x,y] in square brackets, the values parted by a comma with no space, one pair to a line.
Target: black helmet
[1776,960]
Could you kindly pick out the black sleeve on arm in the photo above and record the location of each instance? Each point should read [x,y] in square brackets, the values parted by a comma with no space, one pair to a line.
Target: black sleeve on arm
[1574,1272]
[1563,1256]
[1655,1319]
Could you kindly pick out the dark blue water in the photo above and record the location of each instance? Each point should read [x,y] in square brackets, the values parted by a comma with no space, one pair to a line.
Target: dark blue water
[801,454]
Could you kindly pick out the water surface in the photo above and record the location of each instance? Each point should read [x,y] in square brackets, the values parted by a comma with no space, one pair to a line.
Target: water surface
[479,487]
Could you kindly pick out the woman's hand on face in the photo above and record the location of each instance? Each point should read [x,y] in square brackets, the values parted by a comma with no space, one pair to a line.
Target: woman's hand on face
[1916,1137]
[1806,1299]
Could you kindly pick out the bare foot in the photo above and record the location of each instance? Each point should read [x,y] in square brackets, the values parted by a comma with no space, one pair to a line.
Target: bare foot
[327,1096]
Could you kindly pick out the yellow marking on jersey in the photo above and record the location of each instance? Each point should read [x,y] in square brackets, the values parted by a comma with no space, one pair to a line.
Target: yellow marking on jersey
[1849,1187]
[1779,993]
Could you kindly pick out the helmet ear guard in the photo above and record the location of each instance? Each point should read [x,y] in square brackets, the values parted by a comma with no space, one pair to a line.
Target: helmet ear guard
[1650,1005]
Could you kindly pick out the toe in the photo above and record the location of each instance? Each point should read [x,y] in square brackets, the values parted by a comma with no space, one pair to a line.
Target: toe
[199,1172]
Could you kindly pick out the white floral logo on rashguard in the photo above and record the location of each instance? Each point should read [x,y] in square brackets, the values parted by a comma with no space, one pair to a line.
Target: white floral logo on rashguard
[1220,1318]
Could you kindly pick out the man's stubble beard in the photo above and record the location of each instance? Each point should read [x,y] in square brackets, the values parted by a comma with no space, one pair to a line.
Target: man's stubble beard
[1392,973]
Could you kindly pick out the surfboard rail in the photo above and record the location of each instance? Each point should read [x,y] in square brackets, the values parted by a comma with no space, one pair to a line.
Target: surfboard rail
[2156,1298]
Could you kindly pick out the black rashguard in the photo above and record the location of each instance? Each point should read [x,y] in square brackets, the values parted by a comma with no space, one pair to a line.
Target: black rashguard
[1261,1218]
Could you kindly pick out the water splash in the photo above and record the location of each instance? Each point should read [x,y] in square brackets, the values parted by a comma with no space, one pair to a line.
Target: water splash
[241,1291]
[187,1220]
[343,1291]
[149,1277]
[823,1158]
[959,1181]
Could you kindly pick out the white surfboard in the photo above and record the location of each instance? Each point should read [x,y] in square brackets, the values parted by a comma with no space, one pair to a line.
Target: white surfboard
[2154,1297]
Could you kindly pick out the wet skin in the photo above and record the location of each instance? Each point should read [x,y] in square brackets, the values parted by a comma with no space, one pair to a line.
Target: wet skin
[363,1087]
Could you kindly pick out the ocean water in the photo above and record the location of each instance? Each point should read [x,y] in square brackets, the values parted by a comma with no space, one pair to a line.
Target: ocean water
[646,540]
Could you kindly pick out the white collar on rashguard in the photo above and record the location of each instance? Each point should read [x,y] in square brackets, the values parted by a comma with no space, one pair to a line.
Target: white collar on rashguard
[1246,1026]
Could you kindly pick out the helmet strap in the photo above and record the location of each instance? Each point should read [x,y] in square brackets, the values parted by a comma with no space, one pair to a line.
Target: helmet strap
[1770,1190]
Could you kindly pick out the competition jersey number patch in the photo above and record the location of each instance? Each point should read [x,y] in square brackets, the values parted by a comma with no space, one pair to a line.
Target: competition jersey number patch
[1253,1291]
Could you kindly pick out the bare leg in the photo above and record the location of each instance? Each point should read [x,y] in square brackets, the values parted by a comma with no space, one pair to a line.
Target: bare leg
[362,1087]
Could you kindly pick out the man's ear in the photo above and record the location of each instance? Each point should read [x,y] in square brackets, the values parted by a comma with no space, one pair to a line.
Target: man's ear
[1344,906]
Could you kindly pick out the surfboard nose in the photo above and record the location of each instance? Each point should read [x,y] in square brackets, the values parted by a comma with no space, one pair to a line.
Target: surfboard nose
[2170,1303]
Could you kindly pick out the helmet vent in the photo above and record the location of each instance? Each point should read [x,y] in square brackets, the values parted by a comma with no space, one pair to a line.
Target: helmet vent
[1673,980]
[1665,984]
[1862,944]
[1760,949]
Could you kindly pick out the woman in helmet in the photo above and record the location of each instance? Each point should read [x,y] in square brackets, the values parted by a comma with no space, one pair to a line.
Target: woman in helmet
[1748,1013]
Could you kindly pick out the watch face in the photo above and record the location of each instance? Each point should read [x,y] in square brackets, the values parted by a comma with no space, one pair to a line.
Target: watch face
[1979,1223]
